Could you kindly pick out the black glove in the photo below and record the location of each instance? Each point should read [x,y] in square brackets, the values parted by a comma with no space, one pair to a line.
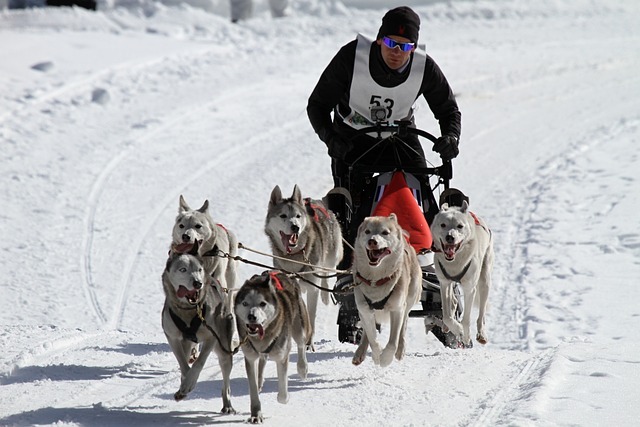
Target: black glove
[339,147]
[447,146]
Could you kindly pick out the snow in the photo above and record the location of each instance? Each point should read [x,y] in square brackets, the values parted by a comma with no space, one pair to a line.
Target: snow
[107,117]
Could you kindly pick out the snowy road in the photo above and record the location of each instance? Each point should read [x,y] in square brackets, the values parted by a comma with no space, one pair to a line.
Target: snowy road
[134,110]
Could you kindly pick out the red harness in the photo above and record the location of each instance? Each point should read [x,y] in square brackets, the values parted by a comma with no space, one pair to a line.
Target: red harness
[273,275]
[314,207]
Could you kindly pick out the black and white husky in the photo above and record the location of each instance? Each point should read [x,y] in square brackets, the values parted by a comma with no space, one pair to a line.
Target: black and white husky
[304,230]
[270,312]
[196,226]
[194,314]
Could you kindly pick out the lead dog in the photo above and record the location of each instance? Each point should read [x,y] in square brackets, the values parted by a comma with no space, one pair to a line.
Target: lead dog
[196,226]
[304,231]
[269,312]
[194,313]
[388,283]
[463,254]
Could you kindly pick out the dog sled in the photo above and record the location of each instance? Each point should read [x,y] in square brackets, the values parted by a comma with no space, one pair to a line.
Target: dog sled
[364,194]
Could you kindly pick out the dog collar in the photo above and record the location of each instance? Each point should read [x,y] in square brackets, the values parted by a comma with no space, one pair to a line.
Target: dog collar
[373,283]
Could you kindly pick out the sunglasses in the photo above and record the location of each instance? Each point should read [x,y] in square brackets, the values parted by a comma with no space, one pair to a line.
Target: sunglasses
[390,43]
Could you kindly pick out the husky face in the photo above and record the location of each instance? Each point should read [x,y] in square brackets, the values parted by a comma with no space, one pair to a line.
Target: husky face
[191,226]
[287,221]
[452,227]
[379,237]
[256,308]
[187,276]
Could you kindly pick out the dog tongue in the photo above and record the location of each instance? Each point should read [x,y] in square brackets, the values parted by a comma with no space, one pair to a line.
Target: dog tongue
[256,327]
[183,292]
[449,251]
[182,247]
[289,240]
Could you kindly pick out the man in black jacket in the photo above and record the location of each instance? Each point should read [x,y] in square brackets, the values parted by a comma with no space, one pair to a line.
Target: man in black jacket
[388,73]
[379,80]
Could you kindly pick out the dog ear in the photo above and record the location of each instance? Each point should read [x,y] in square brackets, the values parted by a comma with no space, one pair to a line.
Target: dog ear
[204,206]
[276,195]
[297,194]
[393,217]
[444,207]
[464,207]
[183,206]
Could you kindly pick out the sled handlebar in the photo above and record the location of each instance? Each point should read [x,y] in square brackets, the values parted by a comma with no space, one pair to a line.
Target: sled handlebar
[400,129]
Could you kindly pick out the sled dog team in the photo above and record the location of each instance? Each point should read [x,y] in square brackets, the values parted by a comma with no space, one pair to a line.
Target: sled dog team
[204,308]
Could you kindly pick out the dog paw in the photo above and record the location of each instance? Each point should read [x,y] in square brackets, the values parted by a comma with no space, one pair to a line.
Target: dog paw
[310,348]
[481,339]
[358,359]
[228,410]
[303,369]
[387,357]
[283,397]
[178,396]
[256,419]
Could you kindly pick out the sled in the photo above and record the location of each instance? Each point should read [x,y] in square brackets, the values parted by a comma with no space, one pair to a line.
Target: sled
[359,198]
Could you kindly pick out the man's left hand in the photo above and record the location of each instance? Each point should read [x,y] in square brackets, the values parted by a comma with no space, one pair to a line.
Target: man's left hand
[447,147]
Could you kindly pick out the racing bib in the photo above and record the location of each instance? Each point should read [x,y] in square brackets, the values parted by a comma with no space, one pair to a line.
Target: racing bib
[388,103]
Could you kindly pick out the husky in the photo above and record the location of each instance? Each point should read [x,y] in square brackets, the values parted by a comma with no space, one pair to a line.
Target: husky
[196,226]
[388,281]
[269,311]
[463,250]
[194,314]
[304,231]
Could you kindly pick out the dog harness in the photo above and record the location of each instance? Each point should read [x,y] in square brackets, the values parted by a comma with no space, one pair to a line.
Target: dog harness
[189,332]
[313,208]
[458,276]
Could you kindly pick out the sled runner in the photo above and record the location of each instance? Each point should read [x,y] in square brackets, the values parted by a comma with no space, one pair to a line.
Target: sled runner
[410,193]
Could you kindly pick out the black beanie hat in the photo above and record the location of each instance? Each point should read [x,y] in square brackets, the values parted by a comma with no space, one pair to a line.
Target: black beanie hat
[401,21]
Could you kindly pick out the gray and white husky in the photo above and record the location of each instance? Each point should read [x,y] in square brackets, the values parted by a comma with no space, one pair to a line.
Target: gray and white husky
[196,226]
[388,282]
[270,312]
[304,231]
[463,254]
[194,314]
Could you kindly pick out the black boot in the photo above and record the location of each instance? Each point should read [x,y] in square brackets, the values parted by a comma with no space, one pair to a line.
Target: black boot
[348,318]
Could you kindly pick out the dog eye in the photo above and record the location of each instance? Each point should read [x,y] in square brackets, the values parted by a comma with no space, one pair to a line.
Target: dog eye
[198,226]
[181,226]
[263,304]
[460,226]
[367,232]
[182,270]
[443,225]
[245,304]
[385,233]
[298,216]
[283,216]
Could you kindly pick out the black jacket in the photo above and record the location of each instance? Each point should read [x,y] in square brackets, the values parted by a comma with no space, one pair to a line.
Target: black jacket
[332,91]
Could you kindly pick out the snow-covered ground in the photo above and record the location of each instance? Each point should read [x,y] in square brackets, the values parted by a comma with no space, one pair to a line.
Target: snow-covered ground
[107,117]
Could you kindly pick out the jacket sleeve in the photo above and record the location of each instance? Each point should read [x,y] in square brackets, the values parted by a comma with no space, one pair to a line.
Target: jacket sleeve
[332,87]
[441,100]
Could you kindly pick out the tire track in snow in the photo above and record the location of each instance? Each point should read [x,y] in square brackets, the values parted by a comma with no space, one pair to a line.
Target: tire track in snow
[529,372]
